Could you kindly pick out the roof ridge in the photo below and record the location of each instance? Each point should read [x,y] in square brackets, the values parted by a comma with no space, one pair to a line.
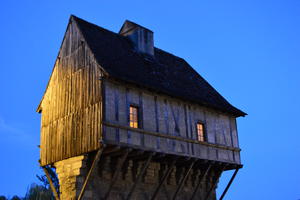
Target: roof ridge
[92,24]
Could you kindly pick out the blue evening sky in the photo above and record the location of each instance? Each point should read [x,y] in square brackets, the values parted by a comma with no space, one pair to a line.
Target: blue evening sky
[249,50]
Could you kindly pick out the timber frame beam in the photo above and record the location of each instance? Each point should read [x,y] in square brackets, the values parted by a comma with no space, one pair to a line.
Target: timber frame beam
[110,124]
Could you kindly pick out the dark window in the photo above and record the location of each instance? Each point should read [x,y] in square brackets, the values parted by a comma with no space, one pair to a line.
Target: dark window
[133,117]
[200,132]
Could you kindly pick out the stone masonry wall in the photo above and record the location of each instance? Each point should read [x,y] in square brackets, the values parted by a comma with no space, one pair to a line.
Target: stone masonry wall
[72,172]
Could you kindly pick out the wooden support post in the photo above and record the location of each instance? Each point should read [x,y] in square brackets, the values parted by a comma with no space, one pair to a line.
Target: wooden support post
[51,183]
[165,176]
[214,184]
[96,159]
[229,183]
[183,180]
[199,181]
[142,172]
[116,174]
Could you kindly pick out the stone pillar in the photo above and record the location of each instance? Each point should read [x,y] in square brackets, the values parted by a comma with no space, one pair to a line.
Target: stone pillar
[152,176]
[172,177]
[128,173]
[71,174]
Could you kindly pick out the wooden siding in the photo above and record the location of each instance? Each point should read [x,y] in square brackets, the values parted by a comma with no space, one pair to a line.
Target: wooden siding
[169,125]
[71,106]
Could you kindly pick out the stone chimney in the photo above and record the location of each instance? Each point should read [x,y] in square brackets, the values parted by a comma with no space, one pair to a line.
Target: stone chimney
[141,37]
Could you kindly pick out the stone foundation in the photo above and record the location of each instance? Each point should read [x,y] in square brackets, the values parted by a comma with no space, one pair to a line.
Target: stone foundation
[73,171]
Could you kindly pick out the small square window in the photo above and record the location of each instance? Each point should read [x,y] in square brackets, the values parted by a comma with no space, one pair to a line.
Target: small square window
[133,117]
[200,132]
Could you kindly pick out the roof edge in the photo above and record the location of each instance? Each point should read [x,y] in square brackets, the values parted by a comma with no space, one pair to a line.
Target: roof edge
[237,114]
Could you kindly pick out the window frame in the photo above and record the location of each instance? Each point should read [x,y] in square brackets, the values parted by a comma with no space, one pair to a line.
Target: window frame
[137,116]
[203,131]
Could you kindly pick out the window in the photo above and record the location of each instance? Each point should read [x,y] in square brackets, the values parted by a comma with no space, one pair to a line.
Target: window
[133,117]
[200,132]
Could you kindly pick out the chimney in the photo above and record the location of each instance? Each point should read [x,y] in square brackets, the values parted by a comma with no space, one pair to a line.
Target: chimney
[141,37]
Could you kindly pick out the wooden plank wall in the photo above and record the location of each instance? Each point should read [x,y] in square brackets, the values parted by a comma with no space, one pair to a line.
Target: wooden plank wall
[168,116]
[71,105]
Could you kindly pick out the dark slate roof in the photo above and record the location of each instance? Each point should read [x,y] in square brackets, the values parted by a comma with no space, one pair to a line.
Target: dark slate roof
[164,73]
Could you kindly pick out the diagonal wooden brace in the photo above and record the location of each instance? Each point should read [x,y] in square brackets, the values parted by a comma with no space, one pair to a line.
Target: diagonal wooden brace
[165,176]
[142,172]
[199,181]
[229,183]
[116,174]
[96,159]
[51,183]
[183,180]
[214,184]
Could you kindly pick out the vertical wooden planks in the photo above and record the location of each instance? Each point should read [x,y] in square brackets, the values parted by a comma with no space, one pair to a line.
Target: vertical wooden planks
[71,105]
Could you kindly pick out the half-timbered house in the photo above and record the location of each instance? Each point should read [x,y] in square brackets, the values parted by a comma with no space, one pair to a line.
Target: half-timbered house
[122,119]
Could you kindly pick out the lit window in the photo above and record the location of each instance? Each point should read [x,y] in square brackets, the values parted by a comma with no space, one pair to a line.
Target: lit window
[200,132]
[133,117]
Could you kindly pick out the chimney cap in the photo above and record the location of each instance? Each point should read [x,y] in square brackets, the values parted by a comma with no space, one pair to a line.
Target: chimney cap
[129,25]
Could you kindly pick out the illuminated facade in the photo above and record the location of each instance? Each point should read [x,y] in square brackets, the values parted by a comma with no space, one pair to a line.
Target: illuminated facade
[122,119]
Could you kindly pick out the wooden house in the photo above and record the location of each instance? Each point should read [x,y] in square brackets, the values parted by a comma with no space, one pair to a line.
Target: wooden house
[122,119]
